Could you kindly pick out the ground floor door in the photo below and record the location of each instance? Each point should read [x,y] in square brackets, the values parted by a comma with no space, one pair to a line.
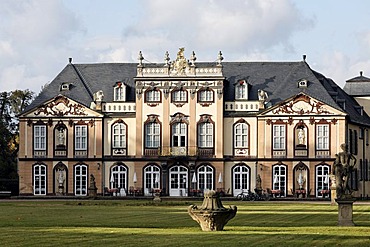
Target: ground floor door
[178,181]
[240,179]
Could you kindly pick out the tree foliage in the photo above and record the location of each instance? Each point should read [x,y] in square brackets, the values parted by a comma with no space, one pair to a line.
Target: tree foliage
[11,105]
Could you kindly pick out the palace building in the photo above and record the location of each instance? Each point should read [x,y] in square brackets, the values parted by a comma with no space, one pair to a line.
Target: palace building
[182,126]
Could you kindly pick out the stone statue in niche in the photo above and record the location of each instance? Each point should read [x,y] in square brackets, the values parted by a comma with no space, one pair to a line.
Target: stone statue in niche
[301,180]
[301,137]
[60,180]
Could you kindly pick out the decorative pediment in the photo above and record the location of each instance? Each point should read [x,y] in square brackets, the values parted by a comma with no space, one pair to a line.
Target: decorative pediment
[61,106]
[302,104]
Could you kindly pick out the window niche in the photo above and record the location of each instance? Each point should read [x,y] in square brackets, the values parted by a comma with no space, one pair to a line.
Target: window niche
[60,140]
[300,139]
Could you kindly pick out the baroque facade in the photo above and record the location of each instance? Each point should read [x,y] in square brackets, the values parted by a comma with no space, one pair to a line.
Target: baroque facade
[181,126]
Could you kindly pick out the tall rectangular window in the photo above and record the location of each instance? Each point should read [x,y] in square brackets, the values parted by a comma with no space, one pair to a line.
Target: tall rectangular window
[241,135]
[80,180]
[278,137]
[80,137]
[119,135]
[39,180]
[179,134]
[118,94]
[322,137]
[205,135]
[39,137]
[152,135]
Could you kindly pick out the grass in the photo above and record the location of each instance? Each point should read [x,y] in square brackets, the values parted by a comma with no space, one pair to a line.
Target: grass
[142,223]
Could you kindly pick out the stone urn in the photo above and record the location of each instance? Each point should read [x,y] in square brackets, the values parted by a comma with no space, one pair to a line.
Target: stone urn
[212,216]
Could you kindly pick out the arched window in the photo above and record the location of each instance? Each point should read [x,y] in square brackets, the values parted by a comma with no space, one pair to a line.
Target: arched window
[279,179]
[39,179]
[241,174]
[241,135]
[322,179]
[80,179]
[178,180]
[152,178]
[119,137]
[118,177]
[205,177]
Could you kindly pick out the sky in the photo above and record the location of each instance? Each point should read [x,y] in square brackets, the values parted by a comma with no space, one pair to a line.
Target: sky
[38,36]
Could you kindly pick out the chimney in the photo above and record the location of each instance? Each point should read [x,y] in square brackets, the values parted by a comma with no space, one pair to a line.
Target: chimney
[304,58]
[70,60]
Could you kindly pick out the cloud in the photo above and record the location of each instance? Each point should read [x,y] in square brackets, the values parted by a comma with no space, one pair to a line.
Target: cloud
[38,36]
[34,34]
[236,27]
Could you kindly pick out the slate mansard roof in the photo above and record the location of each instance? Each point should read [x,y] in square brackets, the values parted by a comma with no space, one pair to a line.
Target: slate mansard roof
[358,86]
[278,79]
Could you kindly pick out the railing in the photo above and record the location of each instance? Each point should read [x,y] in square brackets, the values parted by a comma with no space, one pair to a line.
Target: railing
[323,154]
[80,153]
[250,106]
[39,153]
[119,107]
[179,151]
[166,71]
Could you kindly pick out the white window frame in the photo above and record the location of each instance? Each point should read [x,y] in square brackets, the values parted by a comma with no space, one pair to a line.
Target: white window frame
[153,95]
[241,135]
[80,180]
[205,177]
[206,95]
[119,134]
[240,179]
[179,96]
[279,173]
[278,136]
[39,179]
[81,137]
[39,137]
[322,136]
[152,135]
[152,176]
[119,93]
[205,135]
[241,91]
[118,177]
[179,134]
[321,173]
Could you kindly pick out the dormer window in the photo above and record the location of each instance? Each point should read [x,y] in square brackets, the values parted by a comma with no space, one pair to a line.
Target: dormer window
[65,86]
[241,90]
[303,83]
[120,92]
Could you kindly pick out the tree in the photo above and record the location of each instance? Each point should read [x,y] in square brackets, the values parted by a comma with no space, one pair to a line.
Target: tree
[11,105]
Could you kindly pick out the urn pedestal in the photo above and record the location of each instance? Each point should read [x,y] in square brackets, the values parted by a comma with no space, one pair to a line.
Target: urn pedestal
[345,212]
[212,216]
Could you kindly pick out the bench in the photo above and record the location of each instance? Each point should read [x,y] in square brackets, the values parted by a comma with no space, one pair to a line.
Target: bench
[5,194]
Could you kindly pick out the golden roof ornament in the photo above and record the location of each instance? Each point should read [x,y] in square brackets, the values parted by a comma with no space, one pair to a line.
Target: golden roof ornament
[180,64]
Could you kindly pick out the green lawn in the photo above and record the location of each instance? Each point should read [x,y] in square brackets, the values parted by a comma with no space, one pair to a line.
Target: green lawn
[141,223]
